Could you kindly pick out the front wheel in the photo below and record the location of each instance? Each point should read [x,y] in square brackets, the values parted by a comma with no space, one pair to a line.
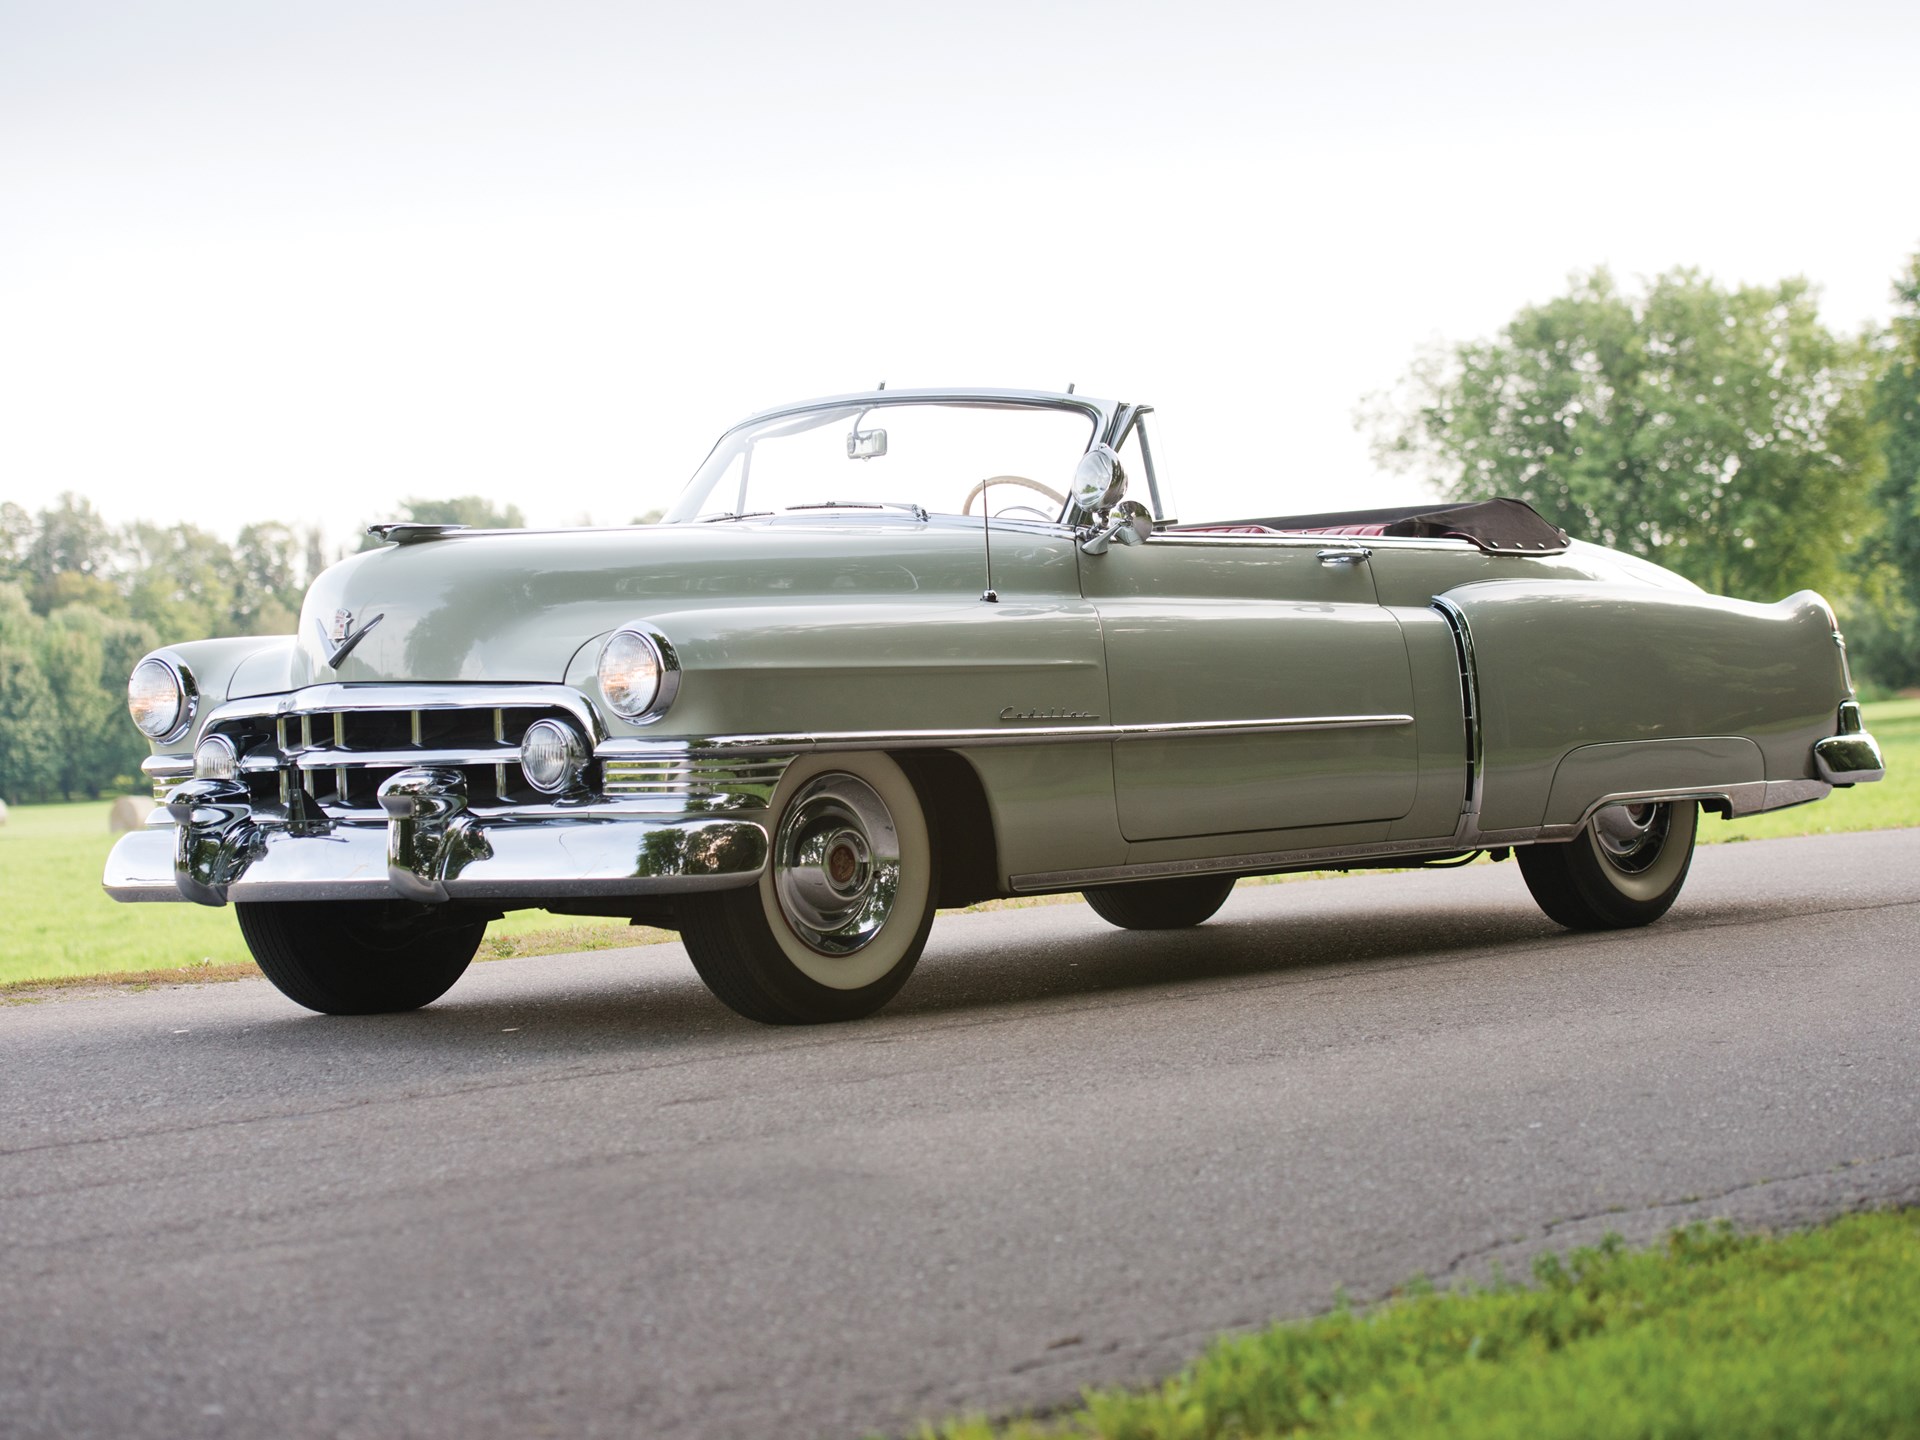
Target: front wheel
[1625,868]
[358,957]
[837,922]
[1175,904]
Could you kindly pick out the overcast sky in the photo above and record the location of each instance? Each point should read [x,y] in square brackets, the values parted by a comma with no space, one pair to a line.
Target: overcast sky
[275,261]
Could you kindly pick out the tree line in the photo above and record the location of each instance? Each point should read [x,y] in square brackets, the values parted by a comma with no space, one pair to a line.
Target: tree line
[81,601]
[1723,432]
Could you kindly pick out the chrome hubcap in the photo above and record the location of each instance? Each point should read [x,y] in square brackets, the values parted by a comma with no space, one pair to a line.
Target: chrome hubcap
[836,864]
[1630,837]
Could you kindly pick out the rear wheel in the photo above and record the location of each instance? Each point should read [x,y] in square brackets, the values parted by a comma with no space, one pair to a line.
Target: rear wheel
[1173,904]
[837,923]
[1624,869]
[359,957]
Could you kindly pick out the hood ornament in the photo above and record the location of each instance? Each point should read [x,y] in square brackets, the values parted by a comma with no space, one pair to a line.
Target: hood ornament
[339,640]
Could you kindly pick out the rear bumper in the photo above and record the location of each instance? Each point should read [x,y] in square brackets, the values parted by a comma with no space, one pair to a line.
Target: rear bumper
[210,847]
[1853,756]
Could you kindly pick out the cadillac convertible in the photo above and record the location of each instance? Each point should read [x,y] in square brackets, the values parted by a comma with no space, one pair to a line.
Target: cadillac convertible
[905,650]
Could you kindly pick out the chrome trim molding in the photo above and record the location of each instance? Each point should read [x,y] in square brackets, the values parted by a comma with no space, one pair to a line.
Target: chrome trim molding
[325,757]
[1456,619]
[1296,540]
[827,740]
[337,695]
[681,779]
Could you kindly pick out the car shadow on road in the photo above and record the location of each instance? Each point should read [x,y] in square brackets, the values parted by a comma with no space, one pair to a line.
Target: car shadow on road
[630,1001]
[649,999]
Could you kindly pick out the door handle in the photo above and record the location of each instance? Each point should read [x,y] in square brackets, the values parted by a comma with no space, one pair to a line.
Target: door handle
[1345,555]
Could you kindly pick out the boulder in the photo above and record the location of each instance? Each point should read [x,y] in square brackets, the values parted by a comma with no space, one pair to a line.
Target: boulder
[129,813]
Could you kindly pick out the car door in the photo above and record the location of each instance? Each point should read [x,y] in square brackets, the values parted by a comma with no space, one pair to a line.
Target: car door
[1270,688]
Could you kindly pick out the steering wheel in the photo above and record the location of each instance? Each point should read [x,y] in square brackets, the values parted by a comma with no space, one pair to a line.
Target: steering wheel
[981,489]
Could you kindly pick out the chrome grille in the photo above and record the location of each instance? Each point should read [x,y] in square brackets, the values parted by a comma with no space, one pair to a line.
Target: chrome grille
[340,758]
[680,778]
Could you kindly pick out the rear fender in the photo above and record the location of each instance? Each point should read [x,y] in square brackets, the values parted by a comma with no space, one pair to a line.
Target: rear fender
[1565,667]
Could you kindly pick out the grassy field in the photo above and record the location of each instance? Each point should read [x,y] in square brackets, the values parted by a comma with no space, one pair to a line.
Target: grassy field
[1893,802]
[1713,1335]
[56,924]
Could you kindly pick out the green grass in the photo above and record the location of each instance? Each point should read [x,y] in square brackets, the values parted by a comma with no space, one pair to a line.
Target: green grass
[1712,1335]
[55,923]
[1884,805]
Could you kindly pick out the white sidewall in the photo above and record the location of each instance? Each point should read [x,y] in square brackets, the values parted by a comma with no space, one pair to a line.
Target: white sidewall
[1657,878]
[887,949]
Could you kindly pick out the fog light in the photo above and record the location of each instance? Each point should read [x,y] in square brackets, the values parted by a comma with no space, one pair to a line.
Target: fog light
[552,756]
[216,759]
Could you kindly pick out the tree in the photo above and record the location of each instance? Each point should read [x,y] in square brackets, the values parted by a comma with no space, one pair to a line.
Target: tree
[1893,646]
[29,718]
[86,657]
[1723,433]
[16,542]
[185,581]
[268,586]
[71,556]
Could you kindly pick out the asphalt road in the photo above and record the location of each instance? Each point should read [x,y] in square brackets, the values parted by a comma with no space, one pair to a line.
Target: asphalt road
[578,1198]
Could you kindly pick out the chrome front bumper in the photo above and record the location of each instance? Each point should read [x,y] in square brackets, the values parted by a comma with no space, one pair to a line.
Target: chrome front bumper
[212,847]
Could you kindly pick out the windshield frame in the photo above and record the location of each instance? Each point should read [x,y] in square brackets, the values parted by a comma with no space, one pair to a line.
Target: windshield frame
[1102,415]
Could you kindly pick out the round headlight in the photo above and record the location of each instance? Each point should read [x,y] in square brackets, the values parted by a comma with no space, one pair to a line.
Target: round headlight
[159,699]
[552,756]
[215,759]
[638,674]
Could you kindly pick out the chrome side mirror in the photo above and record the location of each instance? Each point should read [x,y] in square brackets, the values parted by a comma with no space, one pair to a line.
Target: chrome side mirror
[1098,481]
[1130,523]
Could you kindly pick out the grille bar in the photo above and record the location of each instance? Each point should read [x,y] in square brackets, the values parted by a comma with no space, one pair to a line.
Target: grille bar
[682,779]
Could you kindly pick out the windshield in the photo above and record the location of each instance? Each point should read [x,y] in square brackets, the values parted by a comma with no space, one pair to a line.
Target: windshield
[905,455]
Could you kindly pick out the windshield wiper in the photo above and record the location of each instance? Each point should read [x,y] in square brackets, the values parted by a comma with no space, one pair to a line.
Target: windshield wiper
[908,506]
[730,515]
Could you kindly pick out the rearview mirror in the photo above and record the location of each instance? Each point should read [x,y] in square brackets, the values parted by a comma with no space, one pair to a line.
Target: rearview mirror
[865,444]
[1098,480]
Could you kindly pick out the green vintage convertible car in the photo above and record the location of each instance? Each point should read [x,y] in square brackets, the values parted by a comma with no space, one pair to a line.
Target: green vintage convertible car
[902,650]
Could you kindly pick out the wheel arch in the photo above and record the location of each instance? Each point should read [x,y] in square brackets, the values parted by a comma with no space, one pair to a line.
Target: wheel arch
[960,822]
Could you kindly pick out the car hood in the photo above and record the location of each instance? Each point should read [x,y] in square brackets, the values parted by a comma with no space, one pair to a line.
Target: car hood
[518,605]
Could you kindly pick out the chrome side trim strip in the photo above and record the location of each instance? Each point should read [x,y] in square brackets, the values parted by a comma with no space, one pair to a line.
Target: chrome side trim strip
[1456,619]
[1299,540]
[1008,735]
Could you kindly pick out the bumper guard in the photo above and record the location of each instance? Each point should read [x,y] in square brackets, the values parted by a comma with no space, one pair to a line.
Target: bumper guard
[431,848]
